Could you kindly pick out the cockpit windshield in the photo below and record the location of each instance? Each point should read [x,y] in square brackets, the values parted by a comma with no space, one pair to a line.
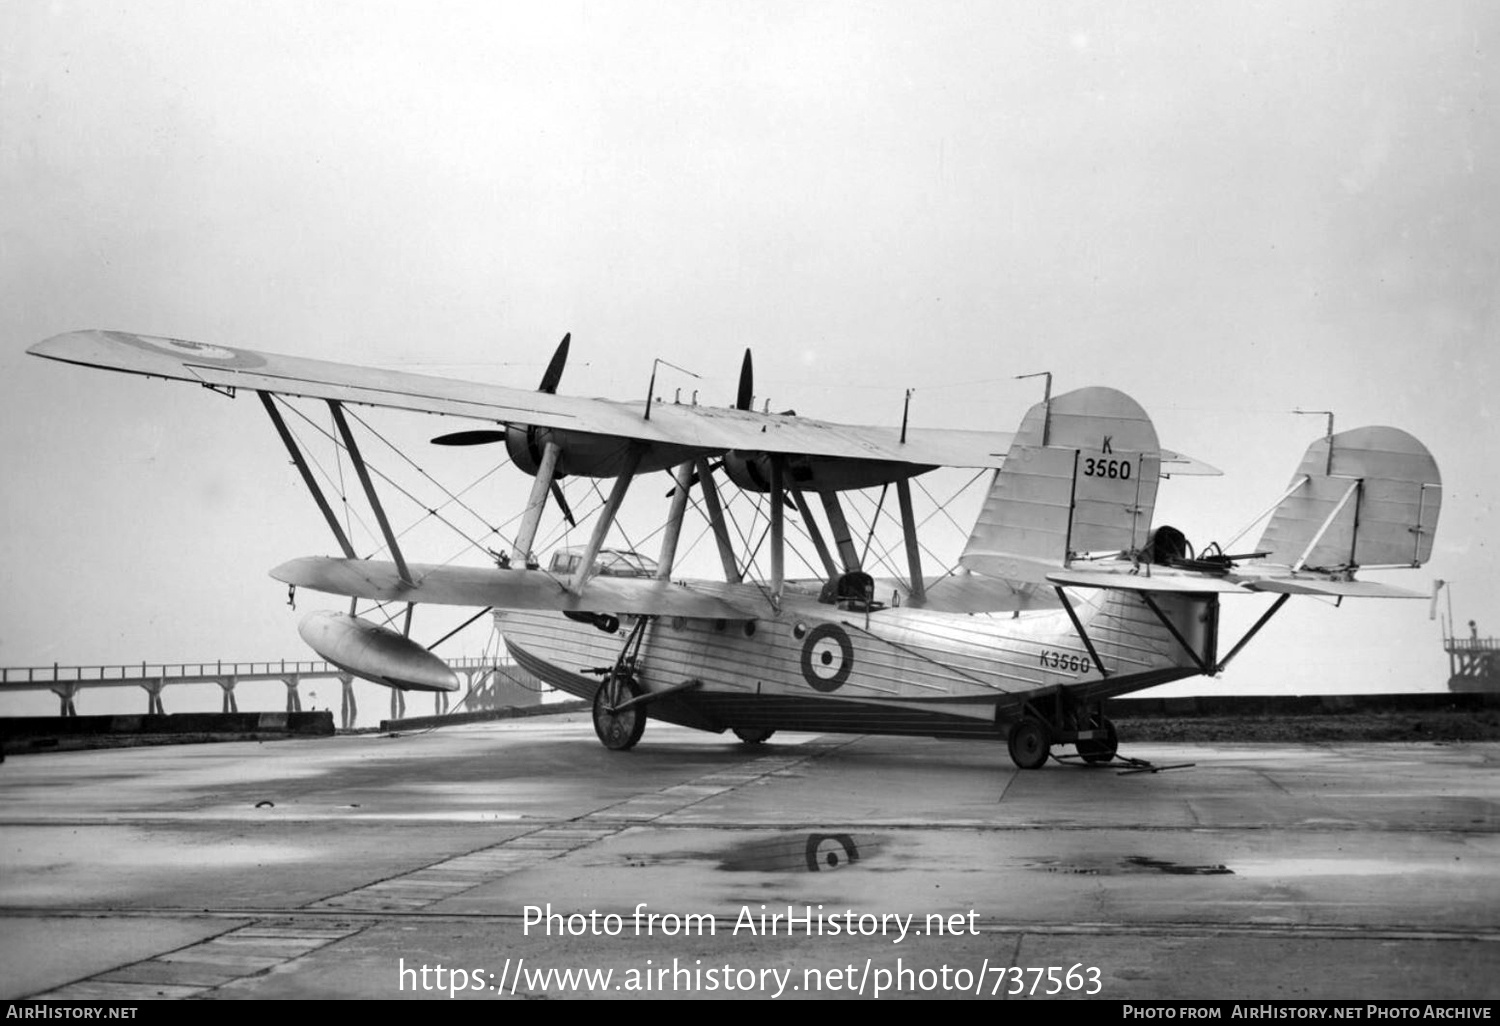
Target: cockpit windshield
[609,563]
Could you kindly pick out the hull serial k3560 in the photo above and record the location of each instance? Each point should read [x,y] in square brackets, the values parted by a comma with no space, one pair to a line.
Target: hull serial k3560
[1066,595]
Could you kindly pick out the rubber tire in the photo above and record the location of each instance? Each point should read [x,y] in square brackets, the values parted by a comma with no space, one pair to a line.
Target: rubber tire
[1101,751]
[754,735]
[1030,743]
[619,732]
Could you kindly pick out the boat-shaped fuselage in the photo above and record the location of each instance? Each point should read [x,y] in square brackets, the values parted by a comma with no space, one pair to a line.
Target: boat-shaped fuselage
[898,670]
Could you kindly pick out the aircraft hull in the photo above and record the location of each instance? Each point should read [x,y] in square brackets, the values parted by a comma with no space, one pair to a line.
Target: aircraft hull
[897,671]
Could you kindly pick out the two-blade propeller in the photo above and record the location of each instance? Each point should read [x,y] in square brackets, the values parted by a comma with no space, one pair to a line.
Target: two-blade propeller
[746,394]
[551,378]
[479,437]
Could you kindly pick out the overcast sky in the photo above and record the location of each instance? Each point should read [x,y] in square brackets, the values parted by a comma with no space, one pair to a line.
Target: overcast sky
[1228,211]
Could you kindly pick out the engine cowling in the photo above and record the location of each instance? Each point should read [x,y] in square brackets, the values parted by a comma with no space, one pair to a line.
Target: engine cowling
[751,471]
[583,454]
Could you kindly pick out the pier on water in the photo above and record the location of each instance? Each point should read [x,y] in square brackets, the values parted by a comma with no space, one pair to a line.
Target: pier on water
[489,683]
[1473,662]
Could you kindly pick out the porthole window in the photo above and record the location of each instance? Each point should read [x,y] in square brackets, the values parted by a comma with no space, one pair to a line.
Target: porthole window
[749,628]
[799,630]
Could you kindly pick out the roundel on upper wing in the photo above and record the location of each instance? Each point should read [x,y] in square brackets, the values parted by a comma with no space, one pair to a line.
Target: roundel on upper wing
[827,657]
[182,347]
[186,350]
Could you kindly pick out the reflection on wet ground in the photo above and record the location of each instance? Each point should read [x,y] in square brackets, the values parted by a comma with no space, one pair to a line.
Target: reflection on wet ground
[811,853]
[1114,865]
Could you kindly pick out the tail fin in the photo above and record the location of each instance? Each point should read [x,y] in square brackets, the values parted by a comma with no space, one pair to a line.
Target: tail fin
[1080,476]
[1367,497]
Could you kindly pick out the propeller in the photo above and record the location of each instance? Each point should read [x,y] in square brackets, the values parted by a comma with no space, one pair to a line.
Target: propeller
[693,477]
[553,374]
[480,437]
[744,397]
[562,505]
[551,378]
[746,393]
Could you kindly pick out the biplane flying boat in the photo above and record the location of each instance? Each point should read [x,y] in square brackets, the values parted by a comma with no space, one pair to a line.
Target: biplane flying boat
[1065,594]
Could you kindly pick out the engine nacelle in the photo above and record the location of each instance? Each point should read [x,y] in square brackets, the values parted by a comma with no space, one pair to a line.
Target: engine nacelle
[583,454]
[751,471]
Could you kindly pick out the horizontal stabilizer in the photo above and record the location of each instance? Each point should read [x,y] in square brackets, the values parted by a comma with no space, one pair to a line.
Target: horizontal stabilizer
[1159,581]
[1166,580]
[1366,497]
[1331,589]
[1176,464]
[379,581]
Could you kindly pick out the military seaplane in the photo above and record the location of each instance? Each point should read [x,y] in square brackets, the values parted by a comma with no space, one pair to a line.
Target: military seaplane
[1065,595]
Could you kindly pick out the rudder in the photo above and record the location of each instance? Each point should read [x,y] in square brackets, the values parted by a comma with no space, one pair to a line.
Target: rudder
[1080,476]
[1366,497]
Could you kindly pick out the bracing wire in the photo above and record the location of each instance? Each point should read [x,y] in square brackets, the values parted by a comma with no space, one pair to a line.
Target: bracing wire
[327,477]
[452,498]
[399,488]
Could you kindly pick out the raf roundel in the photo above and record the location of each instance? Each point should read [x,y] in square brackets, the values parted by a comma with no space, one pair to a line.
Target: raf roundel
[193,352]
[179,347]
[827,657]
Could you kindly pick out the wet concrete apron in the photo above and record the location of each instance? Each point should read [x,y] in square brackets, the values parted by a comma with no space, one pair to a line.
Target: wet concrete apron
[811,866]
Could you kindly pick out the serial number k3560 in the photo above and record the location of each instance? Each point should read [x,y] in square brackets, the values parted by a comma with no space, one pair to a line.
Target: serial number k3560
[1054,660]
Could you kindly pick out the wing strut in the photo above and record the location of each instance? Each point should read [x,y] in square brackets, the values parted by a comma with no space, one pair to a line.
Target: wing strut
[1296,485]
[307,478]
[369,486]
[607,515]
[521,554]
[778,527]
[1083,634]
[683,475]
[1265,618]
[716,521]
[909,532]
[1328,522]
[829,566]
[1203,667]
[874,522]
[840,527]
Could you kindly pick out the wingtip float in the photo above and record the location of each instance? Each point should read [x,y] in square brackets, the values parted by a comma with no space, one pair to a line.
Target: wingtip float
[375,653]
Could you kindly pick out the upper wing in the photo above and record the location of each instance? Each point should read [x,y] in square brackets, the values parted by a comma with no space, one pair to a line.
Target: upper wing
[705,430]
